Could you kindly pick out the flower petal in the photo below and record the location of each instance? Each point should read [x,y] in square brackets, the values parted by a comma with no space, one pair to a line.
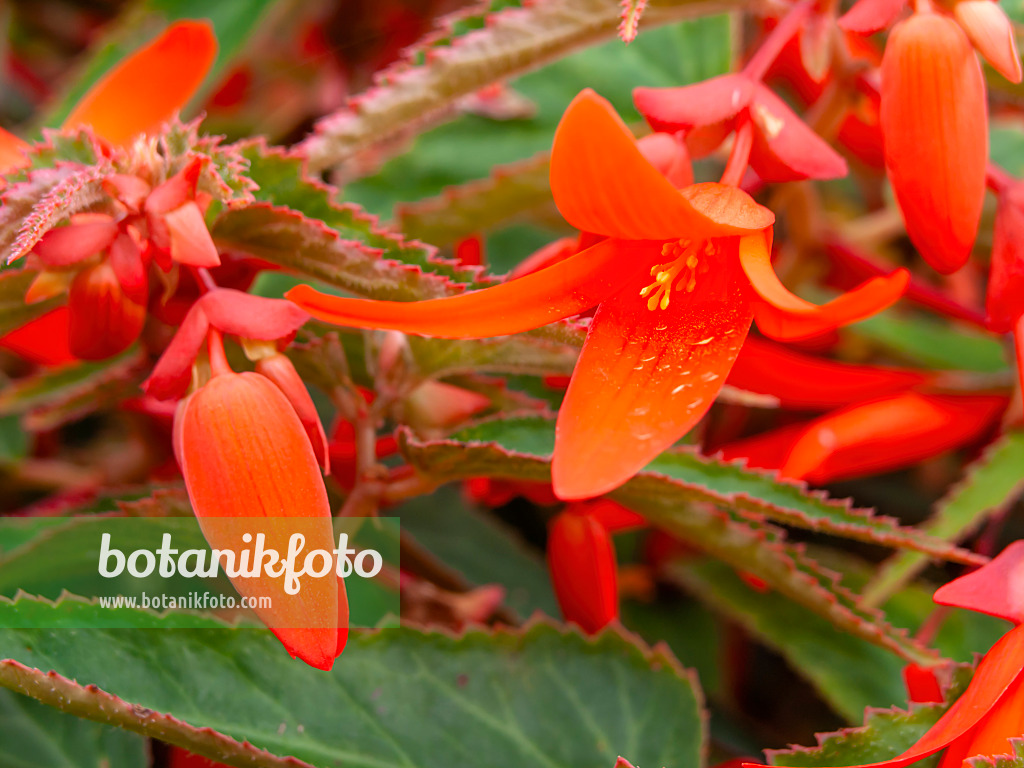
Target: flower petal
[173,371]
[934,117]
[247,457]
[148,87]
[12,152]
[127,263]
[702,104]
[991,33]
[888,434]
[785,316]
[279,369]
[996,589]
[645,378]
[43,340]
[785,148]
[252,317]
[559,291]
[191,243]
[870,16]
[729,210]
[670,156]
[806,382]
[102,319]
[1000,668]
[1005,300]
[602,183]
[87,235]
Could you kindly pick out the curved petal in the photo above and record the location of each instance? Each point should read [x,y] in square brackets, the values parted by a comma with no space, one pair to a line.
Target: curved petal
[995,674]
[730,210]
[814,383]
[699,105]
[252,317]
[85,236]
[645,378]
[553,293]
[12,151]
[43,340]
[149,86]
[279,369]
[602,183]
[996,589]
[785,148]
[191,243]
[785,316]
[992,34]
[173,371]
[888,434]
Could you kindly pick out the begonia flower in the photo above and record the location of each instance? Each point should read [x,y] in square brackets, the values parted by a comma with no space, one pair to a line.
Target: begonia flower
[676,280]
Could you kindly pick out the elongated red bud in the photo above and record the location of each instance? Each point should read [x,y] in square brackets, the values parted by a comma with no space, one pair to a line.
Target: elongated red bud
[934,118]
[581,560]
[245,457]
[991,33]
[102,319]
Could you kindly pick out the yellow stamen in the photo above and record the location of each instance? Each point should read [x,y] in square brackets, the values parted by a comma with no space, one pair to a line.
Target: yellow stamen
[686,263]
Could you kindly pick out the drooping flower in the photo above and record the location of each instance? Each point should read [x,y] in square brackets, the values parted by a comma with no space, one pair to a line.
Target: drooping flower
[934,117]
[581,561]
[248,445]
[982,722]
[676,275]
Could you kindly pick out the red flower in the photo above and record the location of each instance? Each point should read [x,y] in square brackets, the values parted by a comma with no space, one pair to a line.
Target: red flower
[248,445]
[982,722]
[935,122]
[651,366]
[581,560]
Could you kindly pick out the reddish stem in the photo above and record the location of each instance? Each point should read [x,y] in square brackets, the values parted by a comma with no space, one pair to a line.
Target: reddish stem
[740,154]
[218,359]
[772,46]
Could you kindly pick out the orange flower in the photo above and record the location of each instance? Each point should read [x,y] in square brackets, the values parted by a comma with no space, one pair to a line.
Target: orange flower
[140,93]
[934,118]
[982,722]
[676,275]
[245,454]
[248,445]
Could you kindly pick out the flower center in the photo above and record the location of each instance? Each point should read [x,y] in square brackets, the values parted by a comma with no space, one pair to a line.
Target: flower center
[688,259]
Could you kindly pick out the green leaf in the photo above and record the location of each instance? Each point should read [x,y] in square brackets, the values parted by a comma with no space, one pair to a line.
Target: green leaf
[678,492]
[13,440]
[426,86]
[510,194]
[56,395]
[849,673]
[537,697]
[505,447]
[990,485]
[467,149]
[234,22]
[480,548]
[35,735]
[927,342]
